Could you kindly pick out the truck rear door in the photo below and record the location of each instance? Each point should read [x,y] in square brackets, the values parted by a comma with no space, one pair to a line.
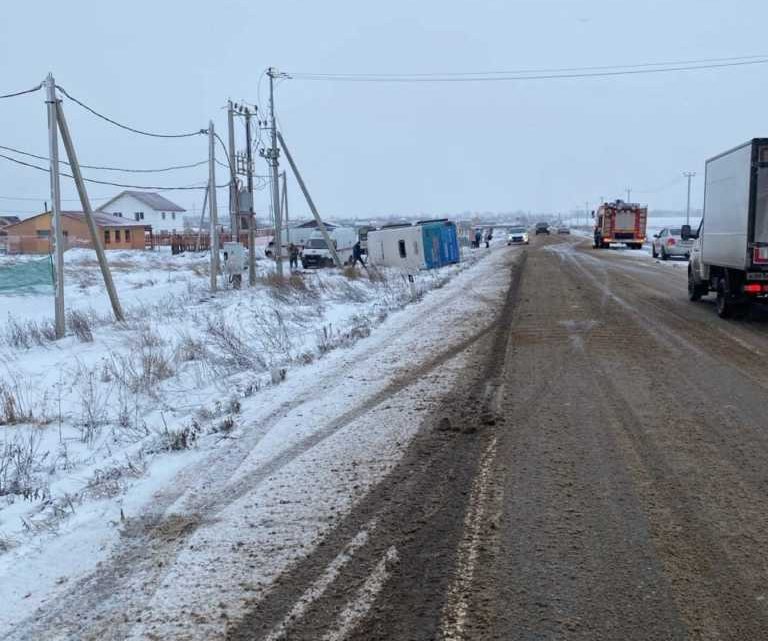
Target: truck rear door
[760,236]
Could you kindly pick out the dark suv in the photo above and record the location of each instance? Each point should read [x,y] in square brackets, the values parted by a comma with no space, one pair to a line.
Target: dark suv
[542,228]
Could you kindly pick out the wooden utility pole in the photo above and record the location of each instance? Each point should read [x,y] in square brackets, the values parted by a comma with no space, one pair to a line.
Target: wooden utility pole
[58,232]
[313,209]
[88,211]
[212,206]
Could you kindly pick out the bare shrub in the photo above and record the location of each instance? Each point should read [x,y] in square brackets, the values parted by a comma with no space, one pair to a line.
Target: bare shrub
[149,362]
[19,460]
[190,348]
[15,403]
[48,330]
[376,275]
[351,272]
[110,481]
[270,331]
[177,439]
[232,351]
[16,335]
[93,405]
[80,325]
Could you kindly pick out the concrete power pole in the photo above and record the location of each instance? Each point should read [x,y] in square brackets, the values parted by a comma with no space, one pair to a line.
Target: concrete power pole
[689,175]
[310,202]
[274,169]
[58,232]
[212,206]
[284,206]
[234,226]
[251,215]
[88,211]
[629,194]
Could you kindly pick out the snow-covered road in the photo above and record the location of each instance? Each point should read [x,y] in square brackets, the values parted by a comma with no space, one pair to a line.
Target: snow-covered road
[213,530]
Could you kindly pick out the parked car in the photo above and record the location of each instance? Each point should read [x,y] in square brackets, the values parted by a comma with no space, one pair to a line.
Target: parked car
[668,243]
[542,228]
[517,236]
[562,229]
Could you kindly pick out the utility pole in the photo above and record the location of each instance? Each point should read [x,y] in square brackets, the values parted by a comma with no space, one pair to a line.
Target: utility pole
[274,168]
[58,232]
[629,194]
[88,211]
[202,218]
[234,226]
[251,215]
[284,206]
[689,175]
[212,206]
[310,202]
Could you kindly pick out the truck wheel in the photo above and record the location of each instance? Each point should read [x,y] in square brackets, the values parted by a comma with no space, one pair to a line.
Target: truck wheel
[724,302]
[654,253]
[695,290]
[664,254]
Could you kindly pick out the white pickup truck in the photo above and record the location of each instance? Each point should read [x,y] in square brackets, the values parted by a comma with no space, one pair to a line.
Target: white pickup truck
[729,255]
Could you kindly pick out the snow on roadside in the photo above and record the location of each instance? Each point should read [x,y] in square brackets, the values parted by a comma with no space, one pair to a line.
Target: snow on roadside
[107,436]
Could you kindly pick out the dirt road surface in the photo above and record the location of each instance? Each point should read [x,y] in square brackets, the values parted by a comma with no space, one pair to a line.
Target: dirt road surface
[589,461]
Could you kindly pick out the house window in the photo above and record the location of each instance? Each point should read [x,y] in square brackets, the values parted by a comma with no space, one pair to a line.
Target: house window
[119,214]
[106,237]
[127,235]
[401,248]
[117,235]
[139,215]
[173,215]
[43,233]
[163,215]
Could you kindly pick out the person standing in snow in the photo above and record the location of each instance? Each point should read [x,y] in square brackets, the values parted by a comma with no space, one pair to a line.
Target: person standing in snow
[357,254]
[293,252]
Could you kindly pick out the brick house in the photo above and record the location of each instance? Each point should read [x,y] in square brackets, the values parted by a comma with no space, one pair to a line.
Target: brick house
[33,235]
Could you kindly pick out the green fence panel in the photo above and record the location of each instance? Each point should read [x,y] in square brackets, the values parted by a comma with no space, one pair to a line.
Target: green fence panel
[25,275]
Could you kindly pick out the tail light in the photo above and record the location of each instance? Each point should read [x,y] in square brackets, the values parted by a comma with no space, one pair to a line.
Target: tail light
[760,255]
[670,242]
[753,288]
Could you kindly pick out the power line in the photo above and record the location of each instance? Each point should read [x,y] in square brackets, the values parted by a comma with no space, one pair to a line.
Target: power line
[494,76]
[126,127]
[120,169]
[534,71]
[106,182]
[34,200]
[21,93]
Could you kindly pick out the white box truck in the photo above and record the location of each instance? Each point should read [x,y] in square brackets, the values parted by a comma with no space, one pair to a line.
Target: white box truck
[729,255]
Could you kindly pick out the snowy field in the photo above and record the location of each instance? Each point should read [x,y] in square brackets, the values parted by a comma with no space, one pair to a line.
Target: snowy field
[93,425]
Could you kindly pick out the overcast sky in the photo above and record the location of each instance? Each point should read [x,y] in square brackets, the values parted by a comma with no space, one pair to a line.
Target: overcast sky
[371,149]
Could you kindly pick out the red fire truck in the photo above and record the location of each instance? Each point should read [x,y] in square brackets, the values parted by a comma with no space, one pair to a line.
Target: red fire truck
[620,222]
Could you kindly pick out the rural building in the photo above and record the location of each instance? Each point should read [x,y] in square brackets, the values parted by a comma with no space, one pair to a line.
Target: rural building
[164,216]
[33,235]
[425,245]
[8,220]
